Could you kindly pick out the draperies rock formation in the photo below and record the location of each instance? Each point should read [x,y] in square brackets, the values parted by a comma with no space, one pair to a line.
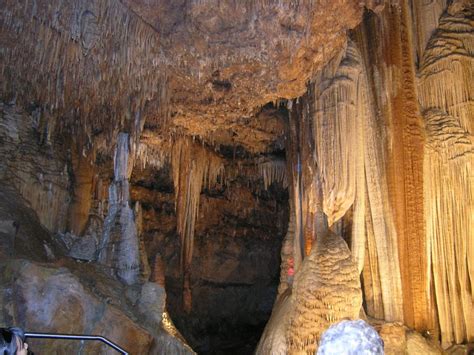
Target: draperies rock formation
[205,161]
[448,117]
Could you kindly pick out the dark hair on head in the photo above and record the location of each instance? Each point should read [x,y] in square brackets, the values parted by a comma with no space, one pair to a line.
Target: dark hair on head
[8,340]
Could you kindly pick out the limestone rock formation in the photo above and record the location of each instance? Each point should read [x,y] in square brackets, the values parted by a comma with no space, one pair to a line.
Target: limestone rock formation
[448,165]
[326,290]
[191,148]
[119,248]
[46,299]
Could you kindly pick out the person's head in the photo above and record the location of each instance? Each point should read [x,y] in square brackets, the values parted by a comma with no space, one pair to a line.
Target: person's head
[12,342]
[350,337]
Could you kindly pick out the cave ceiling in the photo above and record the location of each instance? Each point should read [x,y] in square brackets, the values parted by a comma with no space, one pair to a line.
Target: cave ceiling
[225,60]
[208,69]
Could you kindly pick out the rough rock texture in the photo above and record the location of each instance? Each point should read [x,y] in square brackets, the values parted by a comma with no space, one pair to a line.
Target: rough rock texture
[38,170]
[326,290]
[48,299]
[59,295]
[398,339]
[21,234]
[209,65]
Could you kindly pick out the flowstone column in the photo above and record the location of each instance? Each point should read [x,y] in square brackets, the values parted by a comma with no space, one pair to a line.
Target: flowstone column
[120,245]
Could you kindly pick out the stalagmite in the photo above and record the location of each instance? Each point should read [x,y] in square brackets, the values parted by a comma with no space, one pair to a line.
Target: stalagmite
[326,289]
[287,262]
[447,97]
[119,249]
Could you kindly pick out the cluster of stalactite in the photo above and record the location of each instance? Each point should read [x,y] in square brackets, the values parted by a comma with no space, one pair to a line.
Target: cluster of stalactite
[193,167]
[96,67]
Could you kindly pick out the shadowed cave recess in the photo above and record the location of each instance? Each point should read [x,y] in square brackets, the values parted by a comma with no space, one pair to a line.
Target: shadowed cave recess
[234,177]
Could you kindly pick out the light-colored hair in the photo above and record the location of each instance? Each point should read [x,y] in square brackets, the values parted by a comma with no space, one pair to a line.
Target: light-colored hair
[350,337]
[9,340]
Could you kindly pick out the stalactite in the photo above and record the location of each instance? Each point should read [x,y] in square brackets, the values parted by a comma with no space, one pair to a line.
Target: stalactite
[273,171]
[446,69]
[447,97]
[336,135]
[90,55]
[194,167]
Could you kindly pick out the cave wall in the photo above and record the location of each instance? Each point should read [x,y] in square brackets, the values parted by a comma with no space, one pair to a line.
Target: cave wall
[125,129]
[38,170]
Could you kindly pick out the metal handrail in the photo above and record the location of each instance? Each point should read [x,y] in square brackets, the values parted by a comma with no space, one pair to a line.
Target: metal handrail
[76,337]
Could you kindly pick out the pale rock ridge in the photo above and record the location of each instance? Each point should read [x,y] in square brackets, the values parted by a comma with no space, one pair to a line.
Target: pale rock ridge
[426,15]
